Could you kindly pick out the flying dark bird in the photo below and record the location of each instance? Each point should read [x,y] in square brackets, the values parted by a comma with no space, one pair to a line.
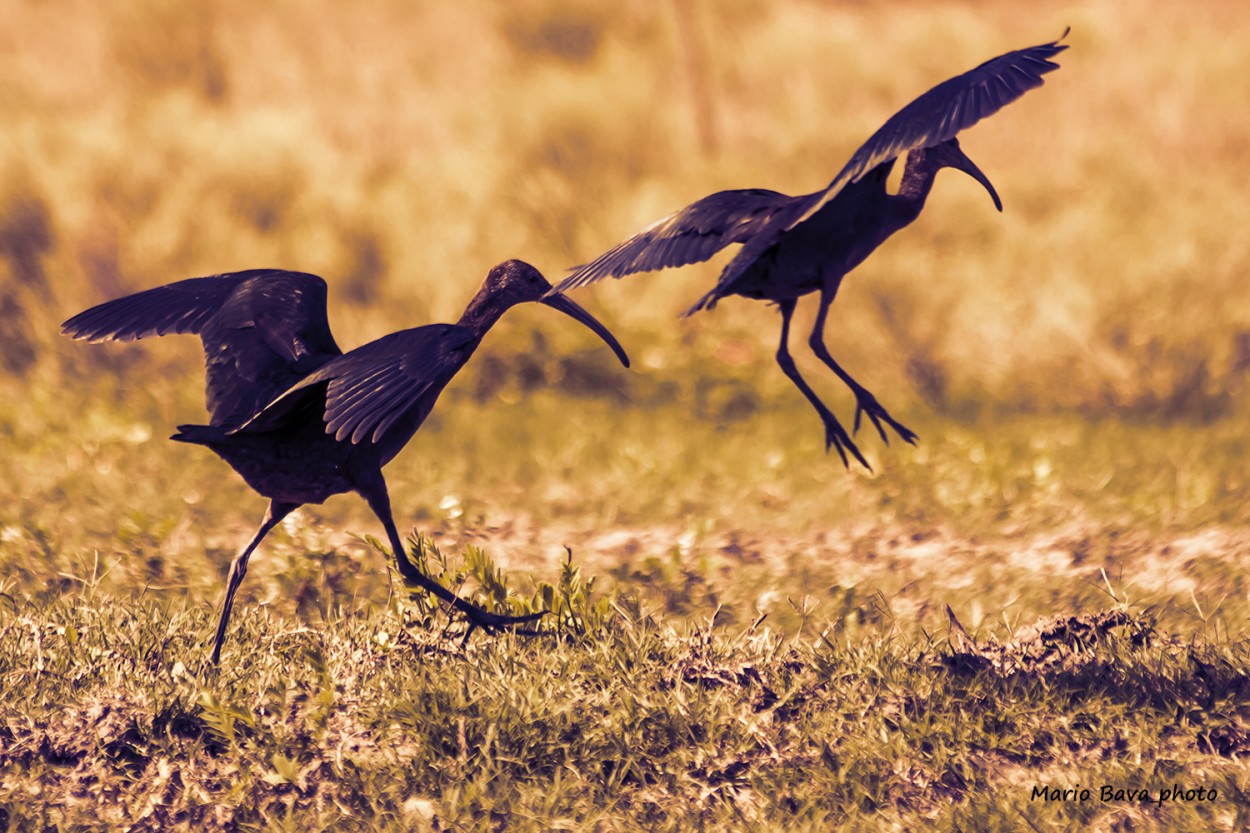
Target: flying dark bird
[298,418]
[795,245]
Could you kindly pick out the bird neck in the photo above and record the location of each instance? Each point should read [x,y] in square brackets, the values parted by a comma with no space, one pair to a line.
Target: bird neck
[482,312]
[916,184]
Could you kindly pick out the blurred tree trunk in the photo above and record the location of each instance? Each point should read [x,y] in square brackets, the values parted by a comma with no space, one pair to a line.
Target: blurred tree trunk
[694,59]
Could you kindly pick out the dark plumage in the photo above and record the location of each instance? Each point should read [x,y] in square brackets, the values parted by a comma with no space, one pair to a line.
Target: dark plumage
[295,416]
[792,246]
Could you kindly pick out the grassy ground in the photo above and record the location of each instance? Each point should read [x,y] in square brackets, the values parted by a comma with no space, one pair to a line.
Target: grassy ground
[1048,593]
[362,724]
[781,659]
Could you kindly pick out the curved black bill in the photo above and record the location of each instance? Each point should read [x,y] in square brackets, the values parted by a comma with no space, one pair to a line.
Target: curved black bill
[575,312]
[963,163]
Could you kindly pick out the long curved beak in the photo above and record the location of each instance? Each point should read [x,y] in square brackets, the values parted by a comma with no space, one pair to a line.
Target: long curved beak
[575,312]
[963,163]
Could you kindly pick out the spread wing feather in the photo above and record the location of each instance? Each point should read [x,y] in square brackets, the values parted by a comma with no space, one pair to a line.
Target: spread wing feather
[691,235]
[368,390]
[944,111]
[181,307]
[262,330]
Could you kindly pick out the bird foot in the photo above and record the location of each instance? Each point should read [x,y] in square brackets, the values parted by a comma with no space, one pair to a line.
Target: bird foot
[495,622]
[837,438]
[866,403]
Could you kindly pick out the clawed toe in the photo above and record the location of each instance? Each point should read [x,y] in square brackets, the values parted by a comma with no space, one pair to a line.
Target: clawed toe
[495,622]
[837,438]
[866,403]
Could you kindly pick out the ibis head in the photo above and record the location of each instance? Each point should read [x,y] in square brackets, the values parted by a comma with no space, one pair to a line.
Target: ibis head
[948,154]
[516,282]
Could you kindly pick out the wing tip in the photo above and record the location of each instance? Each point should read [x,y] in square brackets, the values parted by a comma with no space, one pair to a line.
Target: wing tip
[1054,47]
[95,334]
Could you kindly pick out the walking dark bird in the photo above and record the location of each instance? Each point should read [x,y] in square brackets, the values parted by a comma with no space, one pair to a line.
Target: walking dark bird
[792,246]
[301,420]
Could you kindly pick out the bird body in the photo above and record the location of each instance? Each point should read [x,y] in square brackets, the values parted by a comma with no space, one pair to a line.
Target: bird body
[793,246]
[798,263]
[271,451]
[276,464]
[296,417]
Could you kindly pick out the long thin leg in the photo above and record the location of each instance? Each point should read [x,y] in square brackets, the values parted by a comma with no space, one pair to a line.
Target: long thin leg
[835,434]
[238,568]
[865,402]
[379,501]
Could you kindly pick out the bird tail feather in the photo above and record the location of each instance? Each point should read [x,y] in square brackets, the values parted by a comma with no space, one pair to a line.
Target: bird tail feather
[199,434]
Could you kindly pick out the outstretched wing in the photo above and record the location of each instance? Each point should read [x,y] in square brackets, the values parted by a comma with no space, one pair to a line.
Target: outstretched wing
[181,307]
[941,113]
[933,118]
[263,330]
[368,390]
[691,235]
[758,218]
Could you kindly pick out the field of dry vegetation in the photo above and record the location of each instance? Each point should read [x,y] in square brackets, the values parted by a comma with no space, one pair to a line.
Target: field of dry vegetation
[1077,368]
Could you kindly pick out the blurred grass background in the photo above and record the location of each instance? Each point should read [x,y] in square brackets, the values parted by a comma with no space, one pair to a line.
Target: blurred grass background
[1077,363]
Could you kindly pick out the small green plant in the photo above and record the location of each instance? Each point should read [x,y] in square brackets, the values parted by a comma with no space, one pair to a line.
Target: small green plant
[573,605]
[226,721]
